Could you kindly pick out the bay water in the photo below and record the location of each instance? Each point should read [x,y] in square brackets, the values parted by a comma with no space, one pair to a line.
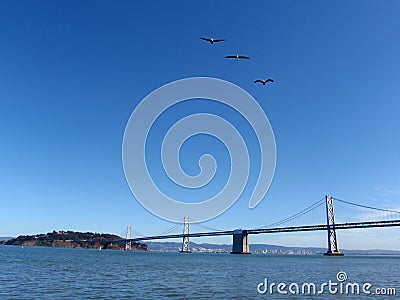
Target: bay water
[50,273]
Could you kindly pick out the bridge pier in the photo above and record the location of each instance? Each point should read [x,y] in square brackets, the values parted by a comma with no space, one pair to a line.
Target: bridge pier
[186,232]
[333,249]
[240,243]
[128,245]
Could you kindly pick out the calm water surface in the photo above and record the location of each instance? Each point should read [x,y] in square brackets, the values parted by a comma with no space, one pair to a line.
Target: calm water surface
[48,273]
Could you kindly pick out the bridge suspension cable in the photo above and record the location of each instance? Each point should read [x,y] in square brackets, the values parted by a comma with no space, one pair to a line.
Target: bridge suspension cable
[140,235]
[206,227]
[297,215]
[369,207]
[330,223]
[137,234]
[176,226]
[353,212]
[123,234]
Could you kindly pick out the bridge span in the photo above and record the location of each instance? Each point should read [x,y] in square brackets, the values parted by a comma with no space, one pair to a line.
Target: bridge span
[240,243]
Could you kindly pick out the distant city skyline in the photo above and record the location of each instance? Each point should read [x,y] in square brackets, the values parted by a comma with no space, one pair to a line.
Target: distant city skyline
[72,73]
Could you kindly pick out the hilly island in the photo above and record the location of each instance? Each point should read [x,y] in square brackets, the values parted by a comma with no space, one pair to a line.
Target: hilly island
[71,239]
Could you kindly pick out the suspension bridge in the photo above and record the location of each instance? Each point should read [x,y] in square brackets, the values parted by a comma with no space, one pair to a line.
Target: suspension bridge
[351,216]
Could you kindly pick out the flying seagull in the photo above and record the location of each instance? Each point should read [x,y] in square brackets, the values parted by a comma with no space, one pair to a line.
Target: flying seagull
[264,81]
[212,41]
[237,57]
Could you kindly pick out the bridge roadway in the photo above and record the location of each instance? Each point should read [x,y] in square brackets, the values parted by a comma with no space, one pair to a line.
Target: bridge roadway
[373,224]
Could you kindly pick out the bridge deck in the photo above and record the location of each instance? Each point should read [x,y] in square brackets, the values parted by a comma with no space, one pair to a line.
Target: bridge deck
[373,224]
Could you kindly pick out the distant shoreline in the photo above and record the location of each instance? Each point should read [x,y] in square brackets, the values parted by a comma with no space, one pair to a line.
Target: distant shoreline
[261,249]
[352,253]
[71,239]
[90,240]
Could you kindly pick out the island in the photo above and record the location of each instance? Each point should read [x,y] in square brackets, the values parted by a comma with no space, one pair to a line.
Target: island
[71,239]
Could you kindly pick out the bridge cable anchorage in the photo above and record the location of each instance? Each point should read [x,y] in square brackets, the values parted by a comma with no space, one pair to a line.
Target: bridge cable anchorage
[186,232]
[297,215]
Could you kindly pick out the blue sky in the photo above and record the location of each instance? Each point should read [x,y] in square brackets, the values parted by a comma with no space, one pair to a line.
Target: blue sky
[72,72]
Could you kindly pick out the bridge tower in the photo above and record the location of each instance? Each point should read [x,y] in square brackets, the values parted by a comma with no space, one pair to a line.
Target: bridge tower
[128,245]
[186,231]
[333,249]
[240,243]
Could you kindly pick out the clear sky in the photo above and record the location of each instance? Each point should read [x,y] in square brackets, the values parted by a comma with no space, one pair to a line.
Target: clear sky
[72,72]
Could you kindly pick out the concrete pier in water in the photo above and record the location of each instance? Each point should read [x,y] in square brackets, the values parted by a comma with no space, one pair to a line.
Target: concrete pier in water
[240,243]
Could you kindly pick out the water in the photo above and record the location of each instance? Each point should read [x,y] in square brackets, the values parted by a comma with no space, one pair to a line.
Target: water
[49,273]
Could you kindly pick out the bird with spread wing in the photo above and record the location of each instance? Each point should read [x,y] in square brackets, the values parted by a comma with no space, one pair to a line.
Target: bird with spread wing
[237,56]
[212,41]
[263,81]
